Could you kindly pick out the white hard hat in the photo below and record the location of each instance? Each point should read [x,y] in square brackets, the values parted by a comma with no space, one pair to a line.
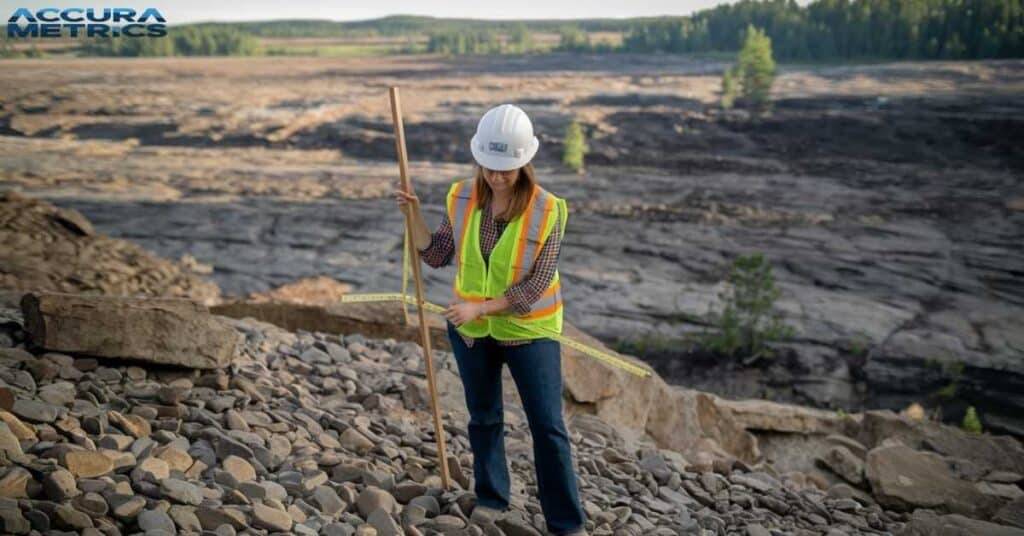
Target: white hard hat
[504,139]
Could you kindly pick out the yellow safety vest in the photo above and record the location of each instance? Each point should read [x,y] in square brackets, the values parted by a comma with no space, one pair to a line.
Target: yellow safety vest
[510,262]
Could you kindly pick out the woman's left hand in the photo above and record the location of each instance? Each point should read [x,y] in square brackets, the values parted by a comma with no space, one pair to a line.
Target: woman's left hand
[460,313]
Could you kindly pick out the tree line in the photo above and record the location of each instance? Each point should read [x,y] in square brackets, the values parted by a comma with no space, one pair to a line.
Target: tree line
[845,29]
[192,40]
[415,25]
[484,41]
[820,30]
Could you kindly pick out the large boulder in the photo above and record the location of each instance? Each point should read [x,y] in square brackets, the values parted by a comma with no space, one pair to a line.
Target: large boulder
[988,452]
[844,463]
[692,422]
[678,419]
[168,331]
[926,523]
[903,479]
[1012,513]
[372,319]
[767,416]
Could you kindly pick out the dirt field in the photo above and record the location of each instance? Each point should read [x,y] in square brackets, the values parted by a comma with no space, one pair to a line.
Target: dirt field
[888,197]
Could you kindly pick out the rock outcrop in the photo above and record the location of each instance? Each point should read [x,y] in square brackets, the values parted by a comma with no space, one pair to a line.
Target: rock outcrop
[925,523]
[47,248]
[165,331]
[903,479]
[987,452]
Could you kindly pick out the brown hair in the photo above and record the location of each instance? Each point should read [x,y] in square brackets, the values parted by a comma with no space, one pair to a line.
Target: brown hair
[520,195]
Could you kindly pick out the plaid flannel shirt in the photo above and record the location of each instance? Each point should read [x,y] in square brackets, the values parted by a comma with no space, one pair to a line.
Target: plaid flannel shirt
[521,295]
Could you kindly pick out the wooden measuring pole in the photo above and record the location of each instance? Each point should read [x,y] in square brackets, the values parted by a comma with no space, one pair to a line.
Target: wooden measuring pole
[403,168]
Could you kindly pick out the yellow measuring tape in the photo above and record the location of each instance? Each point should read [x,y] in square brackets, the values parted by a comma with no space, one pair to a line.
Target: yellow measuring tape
[434,308]
[590,351]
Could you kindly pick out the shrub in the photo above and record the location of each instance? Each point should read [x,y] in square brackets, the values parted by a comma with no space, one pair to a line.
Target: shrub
[747,323]
[972,423]
[575,148]
[728,89]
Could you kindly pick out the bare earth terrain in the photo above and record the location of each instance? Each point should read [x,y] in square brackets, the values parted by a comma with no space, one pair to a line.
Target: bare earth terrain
[888,197]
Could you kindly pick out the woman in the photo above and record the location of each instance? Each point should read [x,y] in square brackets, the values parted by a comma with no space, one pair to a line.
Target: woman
[504,233]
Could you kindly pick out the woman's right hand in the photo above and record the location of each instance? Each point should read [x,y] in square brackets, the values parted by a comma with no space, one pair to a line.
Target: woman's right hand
[407,201]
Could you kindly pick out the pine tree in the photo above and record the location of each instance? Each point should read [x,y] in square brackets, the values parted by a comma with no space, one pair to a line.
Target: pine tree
[575,147]
[748,322]
[971,421]
[728,89]
[756,68]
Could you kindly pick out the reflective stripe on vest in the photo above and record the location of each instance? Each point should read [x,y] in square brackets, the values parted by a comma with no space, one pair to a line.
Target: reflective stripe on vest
[458,215]
[547,303]
[535,220]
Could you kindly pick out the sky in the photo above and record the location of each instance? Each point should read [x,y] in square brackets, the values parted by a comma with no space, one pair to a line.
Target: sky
[182,11]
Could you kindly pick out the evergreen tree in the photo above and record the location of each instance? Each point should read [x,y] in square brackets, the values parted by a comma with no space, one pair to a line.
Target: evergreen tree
[756,69]
[747,322]
[575,148]
[971,421]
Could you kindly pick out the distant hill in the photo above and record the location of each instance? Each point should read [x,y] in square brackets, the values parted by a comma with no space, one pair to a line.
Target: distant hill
[403,25]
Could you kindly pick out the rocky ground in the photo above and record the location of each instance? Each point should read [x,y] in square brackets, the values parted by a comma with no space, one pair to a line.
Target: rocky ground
[313,433]
[887,197]
[55,249]
[146,414]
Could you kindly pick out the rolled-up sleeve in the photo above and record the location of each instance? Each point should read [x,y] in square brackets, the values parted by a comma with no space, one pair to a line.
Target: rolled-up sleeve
[524,293]
[442,247]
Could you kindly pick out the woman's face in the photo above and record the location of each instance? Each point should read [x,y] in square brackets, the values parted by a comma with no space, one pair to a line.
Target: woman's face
[501,181]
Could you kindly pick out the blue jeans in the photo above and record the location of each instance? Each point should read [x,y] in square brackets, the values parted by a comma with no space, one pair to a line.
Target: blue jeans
[536,368]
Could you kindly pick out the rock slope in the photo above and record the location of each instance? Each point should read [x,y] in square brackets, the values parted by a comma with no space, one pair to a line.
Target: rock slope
[43,247]
[312,433]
